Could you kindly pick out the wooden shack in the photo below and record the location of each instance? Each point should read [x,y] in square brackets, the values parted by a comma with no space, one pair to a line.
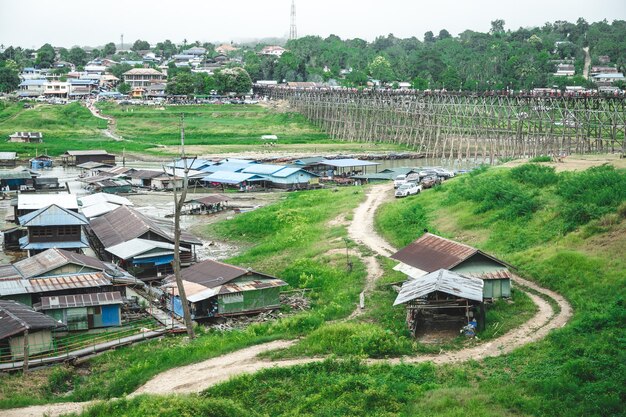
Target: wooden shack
[441,299]
[216,289]
[21,323]
[80,157]
[26,137]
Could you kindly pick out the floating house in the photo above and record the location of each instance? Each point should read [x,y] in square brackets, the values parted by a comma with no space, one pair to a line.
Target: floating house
[138,242]
[41,162]
[216,289]
[95,205]
[20,323]
[441,299]
[28,203]
[53,227]
[8,159]
[431,253]
[16,179]
[143,178]
[47,184]
[80,157]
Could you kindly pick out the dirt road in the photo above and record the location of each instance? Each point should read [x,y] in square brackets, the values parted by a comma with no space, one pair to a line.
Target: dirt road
[197,377]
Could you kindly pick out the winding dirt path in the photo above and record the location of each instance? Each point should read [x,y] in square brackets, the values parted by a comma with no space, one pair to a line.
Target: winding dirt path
[200,376]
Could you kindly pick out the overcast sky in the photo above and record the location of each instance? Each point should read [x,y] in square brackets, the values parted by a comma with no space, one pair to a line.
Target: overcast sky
[31,23]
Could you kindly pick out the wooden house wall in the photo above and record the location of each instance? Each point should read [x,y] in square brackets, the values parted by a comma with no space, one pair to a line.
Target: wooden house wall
[38,342]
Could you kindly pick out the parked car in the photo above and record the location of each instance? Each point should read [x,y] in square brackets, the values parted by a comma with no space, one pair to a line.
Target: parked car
[428,182]
[444,173]
[407,189]
[400,179]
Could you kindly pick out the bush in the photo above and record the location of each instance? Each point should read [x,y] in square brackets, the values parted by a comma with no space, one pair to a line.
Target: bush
[535,175]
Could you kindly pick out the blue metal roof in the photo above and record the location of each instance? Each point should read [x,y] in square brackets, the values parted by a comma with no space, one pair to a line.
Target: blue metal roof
[53,216]
[285,172]
[226,177]
[32,82]
[228,167]
[25,244]
[197,164]
[266,169]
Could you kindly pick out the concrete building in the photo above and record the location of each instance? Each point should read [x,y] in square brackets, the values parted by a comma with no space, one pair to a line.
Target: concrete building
[144,77]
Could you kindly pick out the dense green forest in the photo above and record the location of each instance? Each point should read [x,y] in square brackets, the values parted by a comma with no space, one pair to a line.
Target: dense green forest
[474,61]
[501,58]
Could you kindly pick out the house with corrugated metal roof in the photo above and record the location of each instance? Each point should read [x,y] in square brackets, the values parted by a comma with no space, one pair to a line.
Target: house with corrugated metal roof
[53,227]
[441,299]
[80,157]
[20,323]
[430,253]
[139,243]
[8,159]
[216,289]
[78,290]
[28,203]
[26,137]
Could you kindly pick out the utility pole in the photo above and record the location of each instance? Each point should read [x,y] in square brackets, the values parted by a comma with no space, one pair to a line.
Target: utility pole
[178,206]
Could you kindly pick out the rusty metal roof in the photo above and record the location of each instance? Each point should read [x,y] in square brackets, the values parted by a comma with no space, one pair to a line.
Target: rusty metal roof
[197,292]
[500,274]
[212,273]
[124,224]
[16,317]
[431,253]
[66,282]
[52,259]
[80,300]
[444,281]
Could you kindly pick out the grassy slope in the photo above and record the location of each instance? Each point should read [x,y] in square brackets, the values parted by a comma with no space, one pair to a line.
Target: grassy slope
[225,128]
[577,370]
[63,127]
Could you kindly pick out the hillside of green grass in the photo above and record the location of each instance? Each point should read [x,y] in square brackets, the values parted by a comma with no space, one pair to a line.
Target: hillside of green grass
[64,127]
[567,231]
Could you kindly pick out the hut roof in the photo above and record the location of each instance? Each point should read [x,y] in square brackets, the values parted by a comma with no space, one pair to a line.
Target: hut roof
[444,281]
[431,252]
[16,317]
[53,215]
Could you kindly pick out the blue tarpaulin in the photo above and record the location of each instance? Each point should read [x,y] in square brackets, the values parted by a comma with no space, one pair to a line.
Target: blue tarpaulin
[156,260]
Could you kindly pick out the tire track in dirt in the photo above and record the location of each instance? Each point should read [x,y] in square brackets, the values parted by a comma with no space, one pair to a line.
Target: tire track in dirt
[200,376]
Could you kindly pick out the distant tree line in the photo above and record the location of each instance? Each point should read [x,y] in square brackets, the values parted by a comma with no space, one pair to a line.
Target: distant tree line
[498,59]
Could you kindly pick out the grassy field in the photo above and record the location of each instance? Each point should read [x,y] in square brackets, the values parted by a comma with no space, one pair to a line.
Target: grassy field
[155,131]
[567,231]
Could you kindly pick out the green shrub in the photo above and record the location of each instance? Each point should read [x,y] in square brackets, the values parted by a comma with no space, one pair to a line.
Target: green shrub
[536,175]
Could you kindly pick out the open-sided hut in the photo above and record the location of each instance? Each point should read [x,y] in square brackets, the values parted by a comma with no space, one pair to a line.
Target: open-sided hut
[216,289]
[80,157]
[430,253]
[443,299]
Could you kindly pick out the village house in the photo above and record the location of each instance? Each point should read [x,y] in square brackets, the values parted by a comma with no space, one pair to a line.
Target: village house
[226,48]
[443,300]
[21,323]
[28,203]
[56,89]
[53,227]
[82,88]
[31,88]
[26,137]
[30,73]
[565,70]
[77,290]
[605,80]
[431,253]
[94,205]
[17,178]
[273,50]
[41,162]
[8,159]
[138,242]
[80,157]
[216,289]
[206,205]
[143,77]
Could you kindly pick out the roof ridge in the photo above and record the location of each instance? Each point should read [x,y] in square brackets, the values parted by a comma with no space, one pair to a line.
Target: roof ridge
[22,322]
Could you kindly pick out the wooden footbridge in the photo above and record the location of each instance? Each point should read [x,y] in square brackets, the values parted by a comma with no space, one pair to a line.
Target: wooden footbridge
[460,125]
